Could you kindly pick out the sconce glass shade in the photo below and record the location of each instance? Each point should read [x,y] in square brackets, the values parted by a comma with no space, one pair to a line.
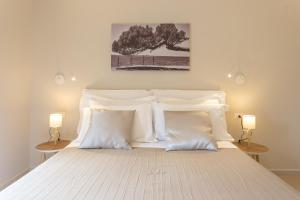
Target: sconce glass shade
[240,78]
[59,79]
[249,122]
[55,120]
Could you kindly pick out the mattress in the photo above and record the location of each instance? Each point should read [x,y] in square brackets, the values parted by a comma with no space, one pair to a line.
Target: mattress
[149,173]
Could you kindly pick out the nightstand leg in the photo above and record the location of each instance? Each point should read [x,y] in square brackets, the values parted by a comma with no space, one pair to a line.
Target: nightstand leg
[257,158]
[43,157]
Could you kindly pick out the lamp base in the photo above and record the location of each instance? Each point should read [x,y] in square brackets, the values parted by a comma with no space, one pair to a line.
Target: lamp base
[54,135]
[248,138]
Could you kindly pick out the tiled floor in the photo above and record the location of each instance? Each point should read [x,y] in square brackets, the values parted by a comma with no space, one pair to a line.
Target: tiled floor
[293,180]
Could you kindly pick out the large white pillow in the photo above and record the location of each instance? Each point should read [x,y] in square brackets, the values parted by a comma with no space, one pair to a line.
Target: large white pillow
[128,95]
[202,100]
[217,114]
[121,102]
[117,94]
[108,129]
[142,126]
[181,122]
[84,123]
[190,94]
[142,129]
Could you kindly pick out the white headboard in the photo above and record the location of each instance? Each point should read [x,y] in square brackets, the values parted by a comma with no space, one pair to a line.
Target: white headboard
[113,94]
[191,94]
[132,94]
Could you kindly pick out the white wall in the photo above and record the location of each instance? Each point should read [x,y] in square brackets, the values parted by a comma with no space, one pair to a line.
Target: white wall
[263,33]
[15,58]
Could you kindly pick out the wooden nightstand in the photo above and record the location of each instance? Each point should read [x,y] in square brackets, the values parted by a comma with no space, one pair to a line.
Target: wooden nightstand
[51,147]
[254,150]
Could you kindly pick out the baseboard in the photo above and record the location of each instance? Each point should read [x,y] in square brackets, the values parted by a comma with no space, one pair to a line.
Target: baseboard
[12,180]
[293,172]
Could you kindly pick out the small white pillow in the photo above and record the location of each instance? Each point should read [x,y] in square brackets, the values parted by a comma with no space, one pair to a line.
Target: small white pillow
[191,141]
[216,111]
[108,129]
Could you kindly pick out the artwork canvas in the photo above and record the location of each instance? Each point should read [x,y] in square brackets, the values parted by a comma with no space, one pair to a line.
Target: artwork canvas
[150,47]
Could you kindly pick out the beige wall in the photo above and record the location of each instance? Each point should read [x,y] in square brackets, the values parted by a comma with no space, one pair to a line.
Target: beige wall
[263,33]
[15,58]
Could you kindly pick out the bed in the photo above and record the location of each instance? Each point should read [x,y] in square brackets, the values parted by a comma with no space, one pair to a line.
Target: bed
[147,172]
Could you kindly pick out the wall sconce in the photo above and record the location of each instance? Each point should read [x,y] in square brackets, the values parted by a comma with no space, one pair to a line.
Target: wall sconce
[59,79]
[238,76]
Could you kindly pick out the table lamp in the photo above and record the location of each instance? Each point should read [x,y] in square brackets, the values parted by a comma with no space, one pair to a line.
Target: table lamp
[248,124]
[55,123]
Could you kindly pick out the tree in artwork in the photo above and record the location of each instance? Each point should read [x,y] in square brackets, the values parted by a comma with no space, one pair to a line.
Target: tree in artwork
[139,38]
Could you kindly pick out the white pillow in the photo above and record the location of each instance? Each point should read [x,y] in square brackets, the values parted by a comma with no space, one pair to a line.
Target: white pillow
[142,129]
[108,129]
[85,123]
[203,100]
[126,95]
[117,94]
[143,125]
[217,114]
[121,102]
[190,94]
[181,122]
[191,141]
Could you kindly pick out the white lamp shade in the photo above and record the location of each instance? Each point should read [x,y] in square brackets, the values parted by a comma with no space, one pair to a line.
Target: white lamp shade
[249,122]
[55,120]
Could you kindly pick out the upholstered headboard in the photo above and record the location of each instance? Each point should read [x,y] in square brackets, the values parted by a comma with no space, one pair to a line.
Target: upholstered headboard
[191,94]
[132,94]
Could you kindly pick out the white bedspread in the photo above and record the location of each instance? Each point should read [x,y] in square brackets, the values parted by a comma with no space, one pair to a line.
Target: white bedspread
[145,173]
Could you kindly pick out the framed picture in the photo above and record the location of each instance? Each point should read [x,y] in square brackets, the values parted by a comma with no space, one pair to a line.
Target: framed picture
[150,47]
